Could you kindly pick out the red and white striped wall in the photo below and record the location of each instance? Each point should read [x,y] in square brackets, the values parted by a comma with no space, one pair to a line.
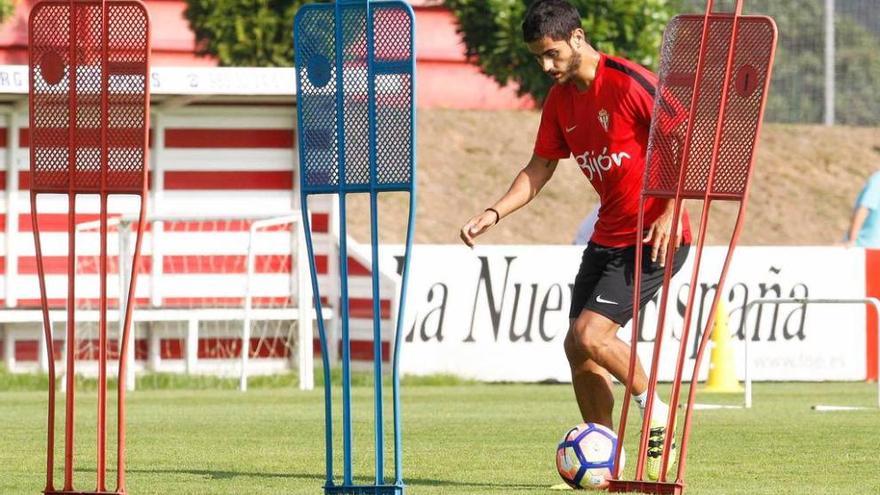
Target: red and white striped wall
[211,160]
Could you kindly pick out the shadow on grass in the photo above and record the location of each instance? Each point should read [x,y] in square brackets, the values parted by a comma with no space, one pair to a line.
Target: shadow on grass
[319,479]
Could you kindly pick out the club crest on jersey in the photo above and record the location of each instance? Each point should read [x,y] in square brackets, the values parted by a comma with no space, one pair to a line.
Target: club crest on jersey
[604,119]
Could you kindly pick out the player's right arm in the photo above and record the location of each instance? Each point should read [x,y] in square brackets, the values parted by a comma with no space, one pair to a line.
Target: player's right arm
[527,184]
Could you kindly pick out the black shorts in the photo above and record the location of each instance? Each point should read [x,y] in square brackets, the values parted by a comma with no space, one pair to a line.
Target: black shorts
[604,283]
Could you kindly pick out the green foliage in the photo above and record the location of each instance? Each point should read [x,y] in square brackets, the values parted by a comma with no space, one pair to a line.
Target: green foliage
[633,29]
[255,33]
[39,382]
[493,36]
[798,89]
[857,66]
[7,8]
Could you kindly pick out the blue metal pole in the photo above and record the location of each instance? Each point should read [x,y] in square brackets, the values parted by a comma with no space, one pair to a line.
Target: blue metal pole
[347,440]
[398,434]
[325,178]
[316,292]
[374,244]
[325,358]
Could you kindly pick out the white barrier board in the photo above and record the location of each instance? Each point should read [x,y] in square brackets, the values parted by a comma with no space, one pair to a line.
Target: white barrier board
[500,313]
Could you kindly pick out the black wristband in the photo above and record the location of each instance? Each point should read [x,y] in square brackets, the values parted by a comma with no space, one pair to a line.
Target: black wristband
[497,215]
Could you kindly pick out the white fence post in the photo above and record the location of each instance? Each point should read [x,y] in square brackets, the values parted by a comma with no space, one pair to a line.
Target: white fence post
[11,271]
[154,350]
[830,81]
[125,265]
[9,348]
[192,345]
[306,312]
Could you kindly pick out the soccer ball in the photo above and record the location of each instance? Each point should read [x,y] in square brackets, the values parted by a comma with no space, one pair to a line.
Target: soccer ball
[585,457]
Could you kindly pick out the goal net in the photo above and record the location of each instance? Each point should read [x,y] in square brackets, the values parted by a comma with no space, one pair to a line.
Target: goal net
[215,295]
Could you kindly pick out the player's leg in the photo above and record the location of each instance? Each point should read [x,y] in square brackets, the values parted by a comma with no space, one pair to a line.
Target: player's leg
[652,281]
[608,307]
[591,345]
[595,353]
[592,334]
[601,302]
[593,337]
[591,382]
[592,385]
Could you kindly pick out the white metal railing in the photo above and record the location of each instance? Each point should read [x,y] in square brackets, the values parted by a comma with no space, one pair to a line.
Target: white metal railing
[748,378]
[304,311]
[748,392]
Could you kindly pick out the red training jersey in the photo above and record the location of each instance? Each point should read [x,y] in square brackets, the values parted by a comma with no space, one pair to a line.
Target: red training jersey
[606,129]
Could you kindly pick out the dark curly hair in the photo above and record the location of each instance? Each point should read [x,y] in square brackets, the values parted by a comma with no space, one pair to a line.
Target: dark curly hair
[554,19]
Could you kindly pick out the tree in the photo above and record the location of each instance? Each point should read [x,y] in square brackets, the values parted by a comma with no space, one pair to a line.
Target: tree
[797,93]
[7,8]
[492,35]
[244,32]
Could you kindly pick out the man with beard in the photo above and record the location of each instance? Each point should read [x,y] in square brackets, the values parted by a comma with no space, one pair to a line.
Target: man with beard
[599,111]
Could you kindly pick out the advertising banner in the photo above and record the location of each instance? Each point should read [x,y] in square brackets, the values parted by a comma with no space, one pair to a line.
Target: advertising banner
[500,313]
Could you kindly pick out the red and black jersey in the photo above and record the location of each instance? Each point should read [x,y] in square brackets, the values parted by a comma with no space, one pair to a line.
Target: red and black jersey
[606,128]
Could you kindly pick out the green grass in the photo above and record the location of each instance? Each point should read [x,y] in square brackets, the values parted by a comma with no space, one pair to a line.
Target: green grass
[10,382]
[460,438]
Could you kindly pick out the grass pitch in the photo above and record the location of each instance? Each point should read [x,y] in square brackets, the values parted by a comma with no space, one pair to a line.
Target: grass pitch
[459,439]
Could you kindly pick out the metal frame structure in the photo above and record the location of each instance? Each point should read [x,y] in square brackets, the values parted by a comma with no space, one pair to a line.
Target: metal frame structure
[83,67]
[302,288]
[713,165]
[873,301]
[747,365]
[355,75]
[303,313]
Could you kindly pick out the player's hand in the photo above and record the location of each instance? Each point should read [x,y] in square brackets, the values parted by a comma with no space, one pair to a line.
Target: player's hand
[477,226]
[658,236]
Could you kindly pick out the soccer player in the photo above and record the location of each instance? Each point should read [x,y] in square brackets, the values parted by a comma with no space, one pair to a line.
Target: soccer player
[599,110]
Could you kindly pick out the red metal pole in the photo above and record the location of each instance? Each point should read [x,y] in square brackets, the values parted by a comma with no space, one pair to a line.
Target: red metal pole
[658,339]
[71,254]
[44,303]
[71,345]
[739,222]
[633,357]
[704,220]
[102,326]
[643,443]
[102,352]
[705,340]
[123,351]
[129,305]
[50,344]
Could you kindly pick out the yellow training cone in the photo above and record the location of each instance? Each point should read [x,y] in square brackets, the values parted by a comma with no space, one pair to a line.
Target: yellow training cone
[722,373]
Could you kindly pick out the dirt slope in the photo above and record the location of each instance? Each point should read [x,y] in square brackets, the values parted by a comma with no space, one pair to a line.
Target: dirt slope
[806,180]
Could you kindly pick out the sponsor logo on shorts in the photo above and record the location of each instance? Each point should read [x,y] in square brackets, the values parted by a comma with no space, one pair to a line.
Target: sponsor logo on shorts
[602,300]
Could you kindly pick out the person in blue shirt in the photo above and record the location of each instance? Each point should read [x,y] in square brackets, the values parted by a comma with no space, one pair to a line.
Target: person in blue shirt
[864,229]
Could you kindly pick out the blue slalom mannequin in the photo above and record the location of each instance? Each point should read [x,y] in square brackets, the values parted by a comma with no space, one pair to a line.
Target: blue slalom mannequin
[355,76]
